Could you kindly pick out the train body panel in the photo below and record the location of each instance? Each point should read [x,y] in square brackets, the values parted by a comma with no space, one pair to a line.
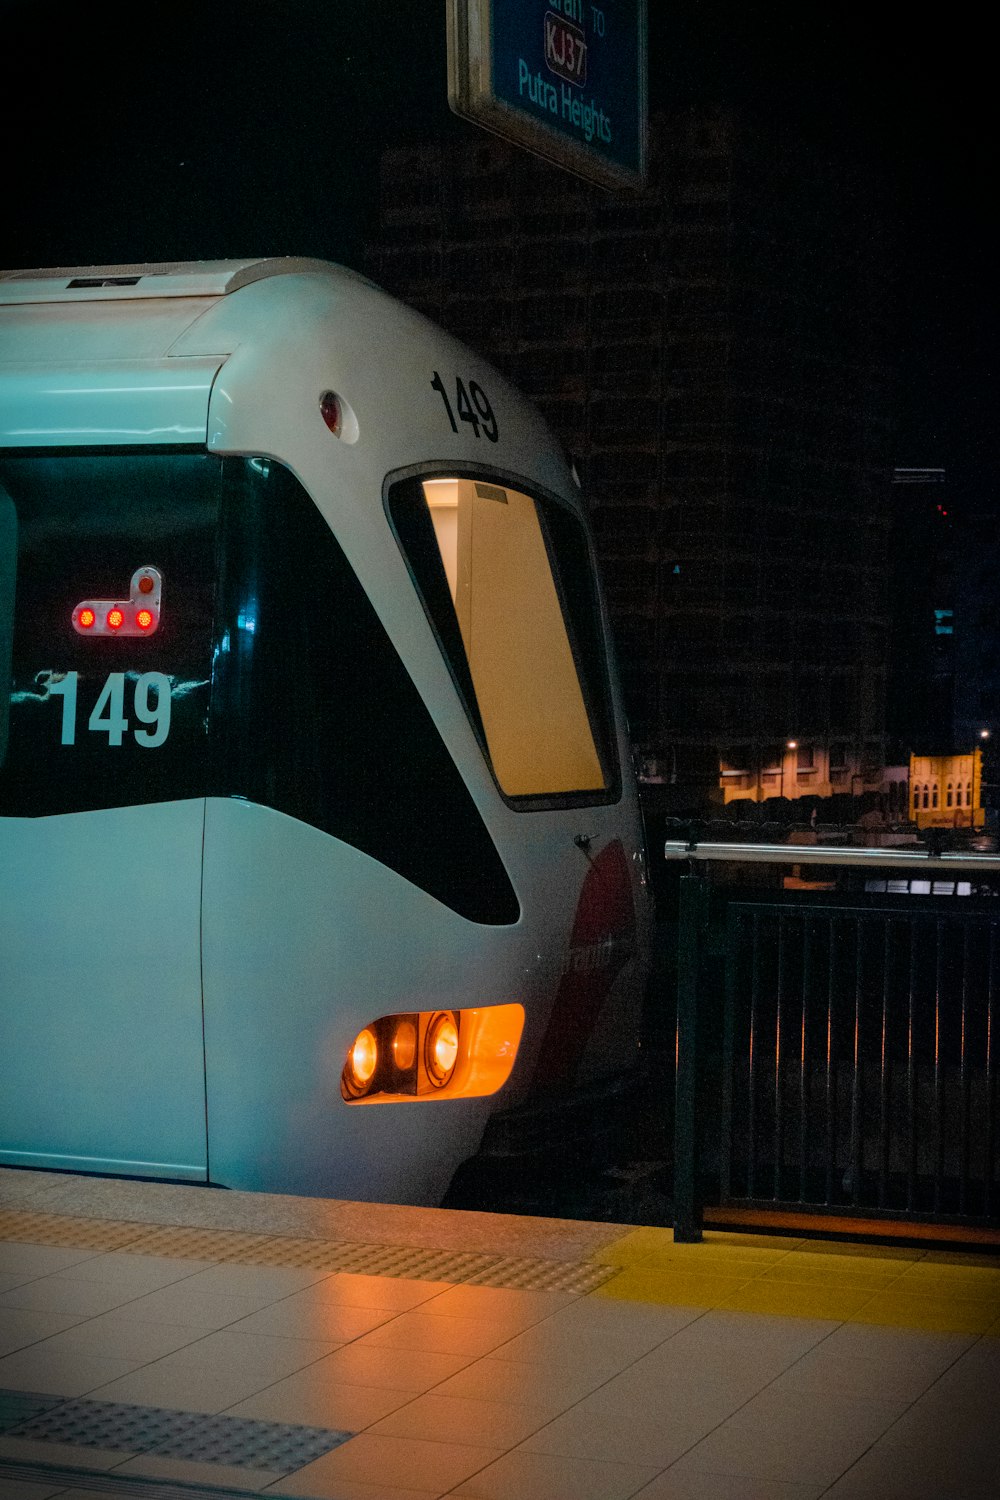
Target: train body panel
[286,994]
[319,958]
[102,1064]
[307,468]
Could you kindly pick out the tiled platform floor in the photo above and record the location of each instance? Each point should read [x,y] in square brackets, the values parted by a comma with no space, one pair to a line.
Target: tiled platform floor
[185,1342]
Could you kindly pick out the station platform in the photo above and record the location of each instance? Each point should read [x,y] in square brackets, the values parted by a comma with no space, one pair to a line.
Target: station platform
[183,1342]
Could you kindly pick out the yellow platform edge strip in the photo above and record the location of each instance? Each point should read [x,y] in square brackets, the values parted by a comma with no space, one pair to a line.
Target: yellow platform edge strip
[947,1291]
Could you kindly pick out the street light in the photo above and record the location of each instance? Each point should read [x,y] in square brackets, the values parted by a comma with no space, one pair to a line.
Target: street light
[984,770]
[789,745]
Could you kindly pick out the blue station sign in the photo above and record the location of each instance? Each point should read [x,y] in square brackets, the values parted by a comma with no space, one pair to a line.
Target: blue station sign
[564,78]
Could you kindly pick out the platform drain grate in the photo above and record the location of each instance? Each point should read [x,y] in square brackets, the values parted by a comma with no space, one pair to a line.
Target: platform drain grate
[209,1439]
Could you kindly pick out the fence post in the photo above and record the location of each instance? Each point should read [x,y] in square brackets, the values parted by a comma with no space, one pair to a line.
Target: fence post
[691,928]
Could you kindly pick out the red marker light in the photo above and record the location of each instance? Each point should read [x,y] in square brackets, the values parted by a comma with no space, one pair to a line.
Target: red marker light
[330,410]
[138,614]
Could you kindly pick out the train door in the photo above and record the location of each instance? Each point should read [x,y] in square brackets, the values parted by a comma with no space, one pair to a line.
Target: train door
[107,569]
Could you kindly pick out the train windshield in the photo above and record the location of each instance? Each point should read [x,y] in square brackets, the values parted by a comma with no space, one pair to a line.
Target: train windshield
[507,581]
[8,572]
[109,683]
[183,625]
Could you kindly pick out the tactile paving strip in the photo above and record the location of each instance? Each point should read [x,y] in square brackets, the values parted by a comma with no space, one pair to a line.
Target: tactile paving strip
[19,1406]
[240,1441]
[59,1229]
[232,1246]
[527,1275]
[65,1478]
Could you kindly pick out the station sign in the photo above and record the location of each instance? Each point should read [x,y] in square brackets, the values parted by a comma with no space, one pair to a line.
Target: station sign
[565,79]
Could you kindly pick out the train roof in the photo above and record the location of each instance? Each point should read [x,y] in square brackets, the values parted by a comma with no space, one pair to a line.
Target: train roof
[203,278]
[232,354]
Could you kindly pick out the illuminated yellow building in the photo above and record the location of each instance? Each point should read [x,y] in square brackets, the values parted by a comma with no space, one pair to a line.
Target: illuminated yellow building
[946,790]
[798,768]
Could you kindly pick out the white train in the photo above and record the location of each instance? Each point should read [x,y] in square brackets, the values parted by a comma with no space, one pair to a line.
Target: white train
[319,840]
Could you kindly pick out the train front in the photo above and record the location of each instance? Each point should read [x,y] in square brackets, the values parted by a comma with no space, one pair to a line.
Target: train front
[324,864]
[464,886]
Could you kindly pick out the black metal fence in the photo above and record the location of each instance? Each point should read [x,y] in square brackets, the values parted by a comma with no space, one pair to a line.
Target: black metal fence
[837,1054]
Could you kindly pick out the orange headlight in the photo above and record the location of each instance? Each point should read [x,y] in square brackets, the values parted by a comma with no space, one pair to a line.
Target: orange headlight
[441,1047]
[404,1043]
[362,1061]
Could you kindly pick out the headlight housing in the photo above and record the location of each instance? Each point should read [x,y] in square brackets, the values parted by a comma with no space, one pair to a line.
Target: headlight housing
[432,1054]
[441,1047]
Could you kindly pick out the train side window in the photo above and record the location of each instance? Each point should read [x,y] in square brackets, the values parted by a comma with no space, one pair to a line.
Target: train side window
[507,582]
[8,572]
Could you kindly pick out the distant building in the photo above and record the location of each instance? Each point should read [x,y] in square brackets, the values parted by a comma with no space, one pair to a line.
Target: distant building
[713,352]
[926,553]
[946,790]
[945,669]
[976,696]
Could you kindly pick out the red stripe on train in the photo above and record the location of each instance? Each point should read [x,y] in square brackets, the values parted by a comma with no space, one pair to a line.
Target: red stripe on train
[601,943]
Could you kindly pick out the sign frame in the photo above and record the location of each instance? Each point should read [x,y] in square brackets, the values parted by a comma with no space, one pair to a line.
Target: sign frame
[471,96]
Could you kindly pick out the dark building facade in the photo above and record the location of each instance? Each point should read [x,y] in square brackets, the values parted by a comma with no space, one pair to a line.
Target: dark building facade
[977,646]
[926,583]
[713,353]
[945,665]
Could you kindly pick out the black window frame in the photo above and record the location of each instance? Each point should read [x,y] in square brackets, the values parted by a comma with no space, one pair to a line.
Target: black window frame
[597,696]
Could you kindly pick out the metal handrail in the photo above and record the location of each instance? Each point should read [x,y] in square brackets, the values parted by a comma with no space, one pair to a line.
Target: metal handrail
[827,854]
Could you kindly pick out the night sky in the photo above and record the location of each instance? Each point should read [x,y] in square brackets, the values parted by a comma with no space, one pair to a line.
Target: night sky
[220,129]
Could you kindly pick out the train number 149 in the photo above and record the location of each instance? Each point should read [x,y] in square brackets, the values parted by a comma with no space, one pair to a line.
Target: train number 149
[472,405]
[150,706]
